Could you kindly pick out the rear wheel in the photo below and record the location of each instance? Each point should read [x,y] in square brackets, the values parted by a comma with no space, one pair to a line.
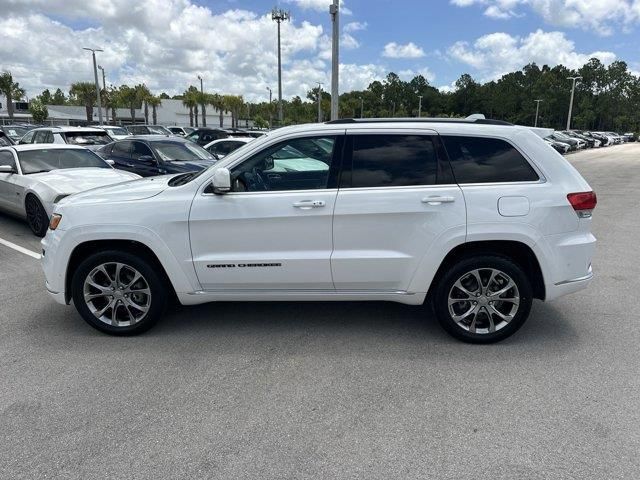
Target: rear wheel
[36,216]
[119,293]
[483,299]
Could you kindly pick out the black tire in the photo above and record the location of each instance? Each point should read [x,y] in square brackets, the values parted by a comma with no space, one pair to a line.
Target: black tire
[36,215]
[157,300]
[484,263]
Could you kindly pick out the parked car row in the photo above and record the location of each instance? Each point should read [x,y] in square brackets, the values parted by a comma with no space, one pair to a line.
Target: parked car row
[571,140]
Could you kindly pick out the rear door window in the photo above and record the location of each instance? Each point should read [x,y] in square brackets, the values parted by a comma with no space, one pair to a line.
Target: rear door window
[487,160]
[393,160]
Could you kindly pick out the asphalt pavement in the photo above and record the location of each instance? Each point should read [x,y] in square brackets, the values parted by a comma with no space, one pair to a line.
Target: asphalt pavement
[331,390]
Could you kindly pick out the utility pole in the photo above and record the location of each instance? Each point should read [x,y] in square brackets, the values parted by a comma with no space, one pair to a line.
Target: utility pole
[319,102]
[573,87]
[278,15]
[95,75]
[104,87]
[361,107]
[335,62]
[270,105]
[419,106]
[204,111]
[537,110]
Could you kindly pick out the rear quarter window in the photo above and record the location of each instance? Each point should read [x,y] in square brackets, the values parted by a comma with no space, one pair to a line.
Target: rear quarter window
[487,160]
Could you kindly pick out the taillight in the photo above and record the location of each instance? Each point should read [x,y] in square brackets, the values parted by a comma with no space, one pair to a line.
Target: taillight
[583,203]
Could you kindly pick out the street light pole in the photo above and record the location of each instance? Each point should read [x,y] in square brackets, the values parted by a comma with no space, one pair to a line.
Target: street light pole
[95,75]
[573,87]
[278,15]
[104,87]
[204,111]
[319,102]
[335,51]
[419,106]
[537,110]
[270,105]
[361,107]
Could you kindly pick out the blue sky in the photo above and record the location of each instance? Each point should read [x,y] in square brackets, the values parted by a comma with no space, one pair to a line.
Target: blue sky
[231,43]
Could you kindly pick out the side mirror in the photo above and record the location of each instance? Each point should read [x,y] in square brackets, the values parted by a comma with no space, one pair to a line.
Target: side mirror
[7,169]
[221,181]
[147,160]
[110,162]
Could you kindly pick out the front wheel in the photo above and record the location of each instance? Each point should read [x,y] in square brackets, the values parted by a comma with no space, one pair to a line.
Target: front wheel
[36,216]
[483,299]
[119,293]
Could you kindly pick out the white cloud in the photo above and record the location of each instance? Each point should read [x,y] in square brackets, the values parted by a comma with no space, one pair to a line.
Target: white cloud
[495,54]
[347,41]
[319,5]
[410,74]
[165,44]
[600,16]
[395,50]
[355,26]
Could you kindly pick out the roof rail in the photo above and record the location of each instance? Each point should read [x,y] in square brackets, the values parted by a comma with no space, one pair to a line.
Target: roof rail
[478,121]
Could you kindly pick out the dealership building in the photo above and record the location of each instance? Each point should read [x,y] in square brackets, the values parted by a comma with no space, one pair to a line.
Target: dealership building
[170,112]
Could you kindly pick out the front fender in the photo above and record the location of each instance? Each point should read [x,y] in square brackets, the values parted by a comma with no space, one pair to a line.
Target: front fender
[62,244]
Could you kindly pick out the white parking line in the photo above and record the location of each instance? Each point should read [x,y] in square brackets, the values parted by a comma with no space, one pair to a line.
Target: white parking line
[20,249]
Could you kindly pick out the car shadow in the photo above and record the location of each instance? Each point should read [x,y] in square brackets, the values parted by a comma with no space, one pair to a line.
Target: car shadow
[369,329]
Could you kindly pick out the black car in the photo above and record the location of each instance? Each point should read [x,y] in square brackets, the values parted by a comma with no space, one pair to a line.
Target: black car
[150,155]
[205,135]
[15,132]
[148,130]
[5,140]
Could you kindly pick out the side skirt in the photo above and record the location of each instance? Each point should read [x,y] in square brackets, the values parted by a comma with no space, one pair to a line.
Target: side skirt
[195,298]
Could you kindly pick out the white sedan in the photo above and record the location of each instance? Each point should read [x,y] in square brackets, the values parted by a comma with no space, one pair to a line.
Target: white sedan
[33,178]
[224,146]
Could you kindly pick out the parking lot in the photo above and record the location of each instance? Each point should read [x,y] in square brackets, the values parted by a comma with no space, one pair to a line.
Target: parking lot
[331,390]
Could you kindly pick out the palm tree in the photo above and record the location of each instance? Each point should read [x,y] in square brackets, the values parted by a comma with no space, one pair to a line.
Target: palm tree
[11,90]
[85,94]
[154,102]
[132,98]
[202,101]
[190,101]
[233,103]
[144,94]
[217,102]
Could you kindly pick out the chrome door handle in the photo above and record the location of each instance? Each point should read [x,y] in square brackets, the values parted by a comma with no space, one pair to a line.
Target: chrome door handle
[438,200]
[306,204]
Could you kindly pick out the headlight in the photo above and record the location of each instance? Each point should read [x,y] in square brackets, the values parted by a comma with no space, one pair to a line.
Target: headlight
[60,197]
[55,221]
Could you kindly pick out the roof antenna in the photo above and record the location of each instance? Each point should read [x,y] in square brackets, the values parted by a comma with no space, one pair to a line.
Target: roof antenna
[476,116]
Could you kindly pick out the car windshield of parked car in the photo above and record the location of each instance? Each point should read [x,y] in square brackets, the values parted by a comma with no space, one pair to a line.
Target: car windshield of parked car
[181,151]
[158,129]
[16,133]
[117,131]
[4,141]
[45,160]
[87,138]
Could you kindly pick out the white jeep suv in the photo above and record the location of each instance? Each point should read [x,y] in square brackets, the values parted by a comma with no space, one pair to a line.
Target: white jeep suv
[478,217]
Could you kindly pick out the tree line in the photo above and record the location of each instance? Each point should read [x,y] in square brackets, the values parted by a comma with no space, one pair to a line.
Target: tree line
[607,98]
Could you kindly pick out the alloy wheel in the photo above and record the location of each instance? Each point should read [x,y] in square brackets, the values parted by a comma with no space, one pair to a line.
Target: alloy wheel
[483,300]
[117,294]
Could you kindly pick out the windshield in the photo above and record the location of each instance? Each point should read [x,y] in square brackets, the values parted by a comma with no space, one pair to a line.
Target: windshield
[159,129]
[45,160]
[87,138]
[4,141]
[181,151]
[16,133]
[117,131]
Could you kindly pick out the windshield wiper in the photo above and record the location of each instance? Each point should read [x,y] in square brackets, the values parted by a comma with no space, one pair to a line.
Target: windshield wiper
[37,171]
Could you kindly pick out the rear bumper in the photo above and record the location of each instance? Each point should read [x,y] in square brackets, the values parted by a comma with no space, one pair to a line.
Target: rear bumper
[566,287]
